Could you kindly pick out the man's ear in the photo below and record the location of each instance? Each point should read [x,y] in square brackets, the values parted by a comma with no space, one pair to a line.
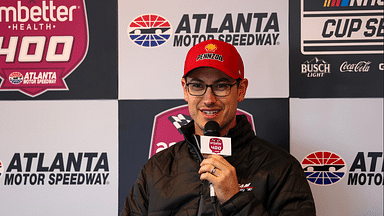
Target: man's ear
[183,83]
[242,89]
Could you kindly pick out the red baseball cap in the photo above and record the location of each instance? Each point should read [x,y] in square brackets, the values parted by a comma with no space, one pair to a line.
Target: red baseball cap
[217,54]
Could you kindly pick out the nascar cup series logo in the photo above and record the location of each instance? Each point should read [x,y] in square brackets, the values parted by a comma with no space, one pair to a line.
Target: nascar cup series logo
[324,168]
[149,30]
[41,43]
[342,27]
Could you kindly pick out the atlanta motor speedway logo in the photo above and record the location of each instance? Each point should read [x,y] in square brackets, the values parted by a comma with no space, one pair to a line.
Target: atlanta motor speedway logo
[32,168]
[242,29]
[324,168]
[1,169]
[149,30]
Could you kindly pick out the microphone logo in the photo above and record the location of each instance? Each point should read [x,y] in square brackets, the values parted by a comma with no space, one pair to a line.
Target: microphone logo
[216,145]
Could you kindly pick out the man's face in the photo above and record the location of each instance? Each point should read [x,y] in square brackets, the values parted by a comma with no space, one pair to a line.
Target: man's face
[210,107]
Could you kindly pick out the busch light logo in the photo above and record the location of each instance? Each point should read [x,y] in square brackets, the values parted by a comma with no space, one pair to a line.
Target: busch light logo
[149,30]
[315,68]
[324,168]
[41,43]
[216,145]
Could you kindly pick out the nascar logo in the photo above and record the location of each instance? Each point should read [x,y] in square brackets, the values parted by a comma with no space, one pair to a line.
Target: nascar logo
[149,30]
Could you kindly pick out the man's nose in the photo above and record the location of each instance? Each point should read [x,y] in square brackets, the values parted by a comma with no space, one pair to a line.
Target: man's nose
[209,97]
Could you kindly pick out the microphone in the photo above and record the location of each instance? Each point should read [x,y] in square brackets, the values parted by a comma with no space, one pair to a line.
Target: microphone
[212,142]
[212,128]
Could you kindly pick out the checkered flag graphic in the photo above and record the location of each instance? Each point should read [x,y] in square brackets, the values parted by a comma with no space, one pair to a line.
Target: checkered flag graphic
[179,121]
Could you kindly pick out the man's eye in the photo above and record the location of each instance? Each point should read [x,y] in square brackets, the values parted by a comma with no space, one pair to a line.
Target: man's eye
[221,86]
[197,85]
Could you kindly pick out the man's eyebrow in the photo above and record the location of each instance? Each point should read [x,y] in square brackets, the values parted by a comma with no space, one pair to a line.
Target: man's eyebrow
[196,79]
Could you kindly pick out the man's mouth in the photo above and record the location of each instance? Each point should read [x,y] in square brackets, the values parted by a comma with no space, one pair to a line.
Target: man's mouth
[210,112]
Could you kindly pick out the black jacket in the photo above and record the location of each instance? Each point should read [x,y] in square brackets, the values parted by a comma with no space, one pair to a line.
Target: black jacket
[272,181]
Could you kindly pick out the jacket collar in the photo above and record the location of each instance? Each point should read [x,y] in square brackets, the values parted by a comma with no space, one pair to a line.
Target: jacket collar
[239,134]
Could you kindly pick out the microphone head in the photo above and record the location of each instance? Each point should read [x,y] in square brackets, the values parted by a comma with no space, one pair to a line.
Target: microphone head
[212,128]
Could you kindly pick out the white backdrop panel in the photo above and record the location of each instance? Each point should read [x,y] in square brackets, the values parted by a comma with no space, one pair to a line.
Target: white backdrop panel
[53,128]
[155,73]
[344,127]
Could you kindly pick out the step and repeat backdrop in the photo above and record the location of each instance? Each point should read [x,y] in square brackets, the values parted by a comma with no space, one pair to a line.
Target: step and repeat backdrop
[89,90]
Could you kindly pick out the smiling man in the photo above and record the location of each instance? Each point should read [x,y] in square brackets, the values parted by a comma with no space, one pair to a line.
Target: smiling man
[258,178]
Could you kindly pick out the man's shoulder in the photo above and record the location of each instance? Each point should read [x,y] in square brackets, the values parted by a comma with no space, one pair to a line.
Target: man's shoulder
[272,152]
[168,156]
[170,152]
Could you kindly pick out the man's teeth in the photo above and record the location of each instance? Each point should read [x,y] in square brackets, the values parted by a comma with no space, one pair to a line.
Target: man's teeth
[210,112]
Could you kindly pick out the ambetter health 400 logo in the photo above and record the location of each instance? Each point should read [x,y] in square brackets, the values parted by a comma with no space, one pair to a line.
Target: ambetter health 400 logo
[41,43]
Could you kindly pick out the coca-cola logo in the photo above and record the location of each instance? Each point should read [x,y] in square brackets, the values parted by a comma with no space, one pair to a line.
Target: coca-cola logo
[41,43]
[381,66]
[216,145]
[360,67]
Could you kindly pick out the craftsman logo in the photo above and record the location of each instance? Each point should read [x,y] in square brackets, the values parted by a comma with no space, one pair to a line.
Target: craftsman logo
[216,145]
[149,30]
[342,27]
[315,68]
[245,187]
[324,168]
[41,43]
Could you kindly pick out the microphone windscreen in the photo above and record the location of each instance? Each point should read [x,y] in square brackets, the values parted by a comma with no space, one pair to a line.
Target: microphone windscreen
[212,128]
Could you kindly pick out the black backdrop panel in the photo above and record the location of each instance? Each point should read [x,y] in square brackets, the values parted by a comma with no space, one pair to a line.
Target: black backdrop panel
[136,117]
[352,71]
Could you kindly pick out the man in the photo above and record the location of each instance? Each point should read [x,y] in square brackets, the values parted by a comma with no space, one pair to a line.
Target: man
[257,179]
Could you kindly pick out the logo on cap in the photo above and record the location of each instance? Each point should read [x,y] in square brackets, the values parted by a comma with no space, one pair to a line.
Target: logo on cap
[212,56]
[211,48]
